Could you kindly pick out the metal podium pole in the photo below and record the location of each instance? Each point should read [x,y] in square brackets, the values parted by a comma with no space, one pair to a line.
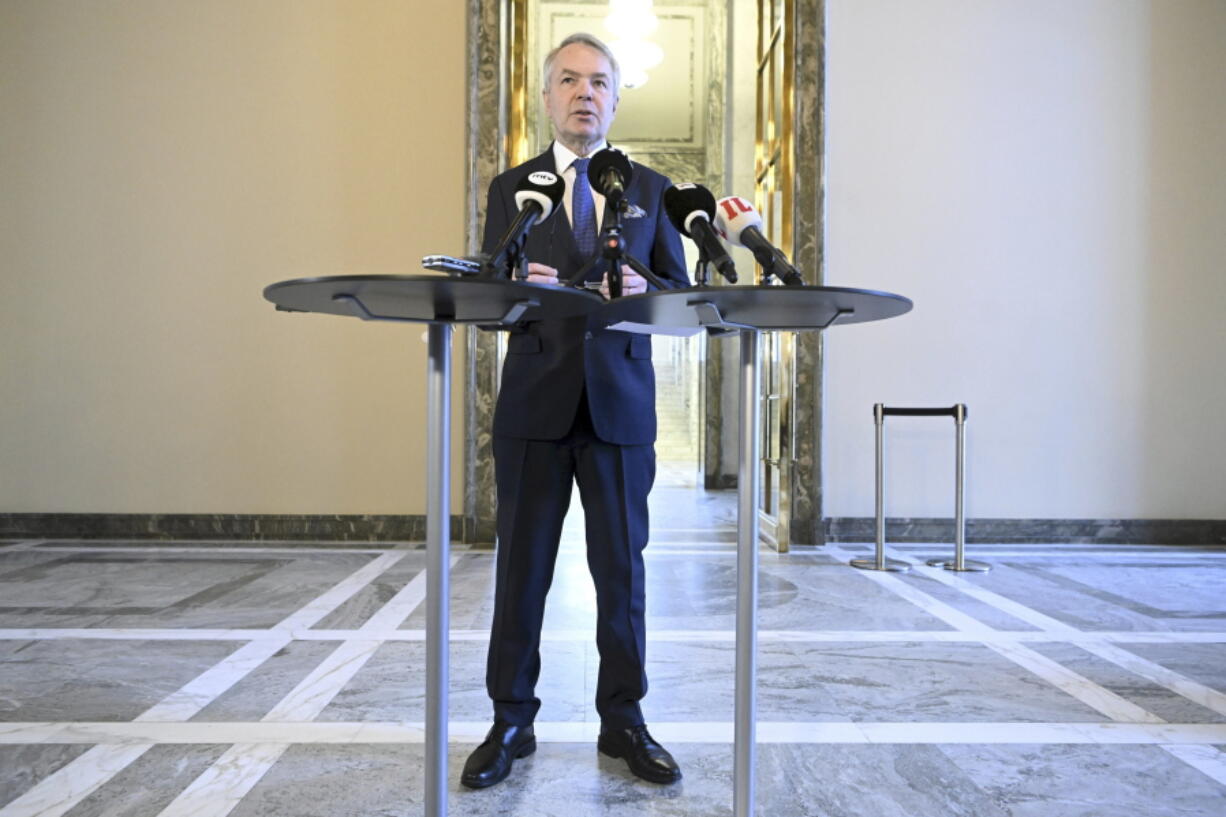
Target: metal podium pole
[438,544]
[747,581]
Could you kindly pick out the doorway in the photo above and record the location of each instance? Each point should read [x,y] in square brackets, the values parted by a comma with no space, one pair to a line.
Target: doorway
[700,125]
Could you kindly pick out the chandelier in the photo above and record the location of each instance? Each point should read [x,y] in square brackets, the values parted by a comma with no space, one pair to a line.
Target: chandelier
[631,22]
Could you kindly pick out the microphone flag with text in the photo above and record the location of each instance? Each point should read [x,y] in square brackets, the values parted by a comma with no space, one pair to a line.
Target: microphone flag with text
[610,172]
[537,196]
[690,208]
[741,225]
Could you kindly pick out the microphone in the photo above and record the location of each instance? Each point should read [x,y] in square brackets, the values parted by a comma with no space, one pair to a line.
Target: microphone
[690,208]
[537,196]
[738,222]
[610,172]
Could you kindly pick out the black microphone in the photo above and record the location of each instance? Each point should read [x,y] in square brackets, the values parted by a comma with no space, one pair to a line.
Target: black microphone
[610,172]
[690,208]
[738,222]
[537,196]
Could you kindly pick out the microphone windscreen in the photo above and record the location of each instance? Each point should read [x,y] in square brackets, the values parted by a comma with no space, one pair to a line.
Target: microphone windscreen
[544,188]
[684,200]
[605,160]
[733,215]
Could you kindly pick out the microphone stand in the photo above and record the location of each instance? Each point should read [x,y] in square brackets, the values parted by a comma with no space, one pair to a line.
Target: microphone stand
[702,268]
[613,252]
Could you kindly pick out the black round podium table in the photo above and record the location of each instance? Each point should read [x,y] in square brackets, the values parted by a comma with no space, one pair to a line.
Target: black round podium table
[765,308]
[439,301]
[748,311]
[430,298]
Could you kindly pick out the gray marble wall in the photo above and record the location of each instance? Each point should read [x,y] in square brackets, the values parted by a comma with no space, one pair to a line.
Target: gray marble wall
[1040,531]
[809,226]
[358,528]
[486,158]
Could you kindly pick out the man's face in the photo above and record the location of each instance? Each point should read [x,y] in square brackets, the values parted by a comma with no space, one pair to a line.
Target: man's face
[580,96]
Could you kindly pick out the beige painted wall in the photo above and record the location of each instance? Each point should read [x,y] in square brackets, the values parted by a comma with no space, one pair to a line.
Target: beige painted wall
[1047,180]
[163,161]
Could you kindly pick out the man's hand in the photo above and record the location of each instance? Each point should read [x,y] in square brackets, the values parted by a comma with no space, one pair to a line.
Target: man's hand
[632,283]
[542,274]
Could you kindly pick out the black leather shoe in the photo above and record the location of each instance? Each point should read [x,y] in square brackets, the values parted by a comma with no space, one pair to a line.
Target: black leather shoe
[646,758]
[490,762]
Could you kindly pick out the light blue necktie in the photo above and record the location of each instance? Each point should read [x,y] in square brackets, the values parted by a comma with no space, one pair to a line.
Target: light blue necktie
[583,210]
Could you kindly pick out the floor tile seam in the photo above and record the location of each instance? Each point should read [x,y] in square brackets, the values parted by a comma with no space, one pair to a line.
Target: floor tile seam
[61,791]
[1048,671]
[1103,637]
[130,736]
[1090,693]
[213,682]
[1083,559]
[1072,683]
[314,692]
[208,686]
[331,599]
[1206,759]
[211,793]
[51,547]
[1155,673]
[959,620]
[396,610]
[184,546]
[992,599]
[1051,672]
[221,787]
[1176,682]
[22,546]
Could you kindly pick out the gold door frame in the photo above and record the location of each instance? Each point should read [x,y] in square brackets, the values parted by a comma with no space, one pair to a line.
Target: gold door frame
[497,137]
[774,153]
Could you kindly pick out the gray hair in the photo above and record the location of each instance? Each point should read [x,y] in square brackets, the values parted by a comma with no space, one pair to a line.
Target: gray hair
[591,41]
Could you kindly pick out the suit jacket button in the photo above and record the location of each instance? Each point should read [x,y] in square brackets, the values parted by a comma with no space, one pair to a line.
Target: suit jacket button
[587,335]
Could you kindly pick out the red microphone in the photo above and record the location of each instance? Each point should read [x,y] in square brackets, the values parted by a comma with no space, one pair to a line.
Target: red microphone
[740,224]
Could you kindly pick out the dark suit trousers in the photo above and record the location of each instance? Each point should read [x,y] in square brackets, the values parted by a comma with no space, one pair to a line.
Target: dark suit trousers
[534,480]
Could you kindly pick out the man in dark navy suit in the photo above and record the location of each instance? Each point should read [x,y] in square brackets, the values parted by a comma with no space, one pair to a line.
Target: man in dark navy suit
[576,405]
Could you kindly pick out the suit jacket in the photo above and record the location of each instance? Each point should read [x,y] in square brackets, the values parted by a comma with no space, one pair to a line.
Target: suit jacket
[550,363]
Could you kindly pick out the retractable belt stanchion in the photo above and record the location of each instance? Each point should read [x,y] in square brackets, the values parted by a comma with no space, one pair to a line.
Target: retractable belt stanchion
[879,561]
[748,311]
[959,562]
[441,302]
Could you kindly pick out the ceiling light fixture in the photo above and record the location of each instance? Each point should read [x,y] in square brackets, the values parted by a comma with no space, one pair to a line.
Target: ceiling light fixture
[631,22]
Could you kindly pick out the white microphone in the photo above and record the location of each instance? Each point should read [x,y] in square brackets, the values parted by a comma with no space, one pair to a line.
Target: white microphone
[740,224]
[542,187]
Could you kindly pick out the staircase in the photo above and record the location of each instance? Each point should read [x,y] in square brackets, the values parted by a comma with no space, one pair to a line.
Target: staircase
[676,401]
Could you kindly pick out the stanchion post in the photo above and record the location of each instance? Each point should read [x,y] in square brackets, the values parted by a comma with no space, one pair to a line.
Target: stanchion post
[438,545]
[879,561]
[960,563]
[960,489]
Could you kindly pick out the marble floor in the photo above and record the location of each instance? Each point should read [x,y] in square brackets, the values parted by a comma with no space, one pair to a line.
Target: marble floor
[223,678]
